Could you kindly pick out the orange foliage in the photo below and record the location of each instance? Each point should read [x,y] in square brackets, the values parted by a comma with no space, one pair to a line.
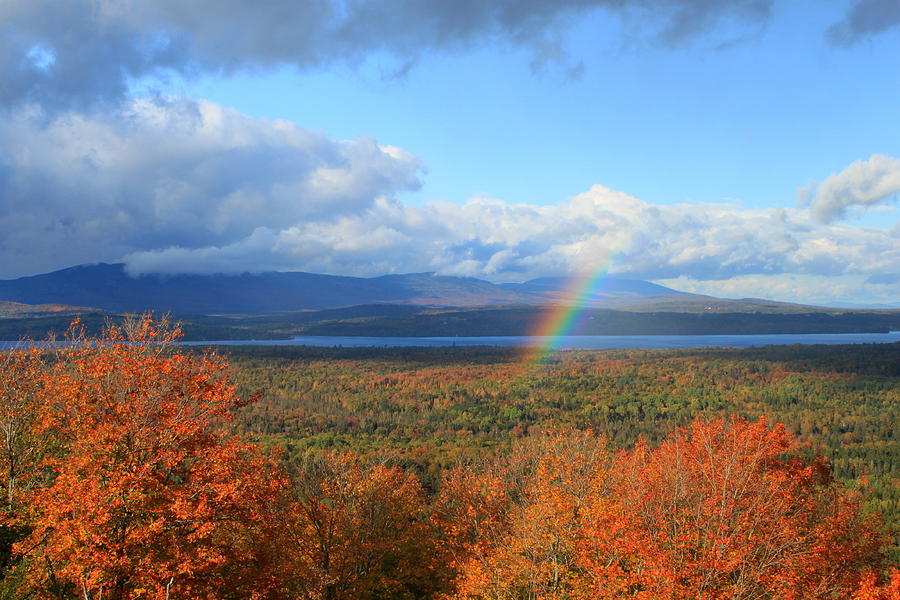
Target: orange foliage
[355,532]
[718,511]
[514,527]
[869,589]
[148,496]
[123,482]
[20,408]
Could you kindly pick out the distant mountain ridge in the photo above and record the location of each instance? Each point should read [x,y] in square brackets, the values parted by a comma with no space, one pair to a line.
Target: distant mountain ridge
[609,287]
[108,287]
[281,305]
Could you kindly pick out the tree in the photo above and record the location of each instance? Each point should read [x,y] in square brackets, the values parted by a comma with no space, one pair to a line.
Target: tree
[869,588]
[22,447]
[20,383]
[726,510]
[149,496]
[513,526]
[352,531]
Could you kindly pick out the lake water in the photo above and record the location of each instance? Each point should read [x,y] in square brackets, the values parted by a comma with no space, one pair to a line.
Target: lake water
[588,342]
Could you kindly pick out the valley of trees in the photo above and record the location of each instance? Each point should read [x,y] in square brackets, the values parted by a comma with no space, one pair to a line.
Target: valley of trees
[137,469]
[397,320]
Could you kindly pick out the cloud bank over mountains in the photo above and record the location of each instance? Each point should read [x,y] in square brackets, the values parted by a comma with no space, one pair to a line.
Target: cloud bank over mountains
[502,241]
[181,173]
[90,173]
[189,186]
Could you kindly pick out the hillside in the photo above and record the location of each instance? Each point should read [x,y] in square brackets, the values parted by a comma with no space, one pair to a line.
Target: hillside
[18,309]
[523,320]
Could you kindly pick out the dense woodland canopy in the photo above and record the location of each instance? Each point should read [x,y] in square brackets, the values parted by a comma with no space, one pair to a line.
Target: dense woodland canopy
[429,408]
[136,469]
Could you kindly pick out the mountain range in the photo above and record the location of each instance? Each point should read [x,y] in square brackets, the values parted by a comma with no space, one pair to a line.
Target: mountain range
[281,305]
[109,287]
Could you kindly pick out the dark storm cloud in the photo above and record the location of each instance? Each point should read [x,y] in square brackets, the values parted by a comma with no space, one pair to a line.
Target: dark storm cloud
[865,19]
[75,54]
[81,53]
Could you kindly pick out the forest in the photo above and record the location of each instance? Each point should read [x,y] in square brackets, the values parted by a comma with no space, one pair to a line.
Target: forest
[134,468]
[710,317]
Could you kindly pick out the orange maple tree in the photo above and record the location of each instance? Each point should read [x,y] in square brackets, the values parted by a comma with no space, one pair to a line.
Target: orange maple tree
[355,531]
[870,589]
[513,526]
[724,509]
[22,447]
[148,496]
[20,383]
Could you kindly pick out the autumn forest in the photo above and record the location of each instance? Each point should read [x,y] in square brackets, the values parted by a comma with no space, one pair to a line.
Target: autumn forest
[135,468]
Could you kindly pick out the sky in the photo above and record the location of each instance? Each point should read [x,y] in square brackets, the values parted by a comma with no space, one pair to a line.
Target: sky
[741,149]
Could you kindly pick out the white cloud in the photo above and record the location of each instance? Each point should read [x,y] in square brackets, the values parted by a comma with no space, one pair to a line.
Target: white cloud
[188,186]
[188,174]
[863,184]
[805,289]
[723,246]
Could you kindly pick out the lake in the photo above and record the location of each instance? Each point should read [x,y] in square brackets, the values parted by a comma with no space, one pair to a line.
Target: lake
[587,342]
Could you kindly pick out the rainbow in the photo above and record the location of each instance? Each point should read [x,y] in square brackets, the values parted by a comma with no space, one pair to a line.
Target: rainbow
[564,316]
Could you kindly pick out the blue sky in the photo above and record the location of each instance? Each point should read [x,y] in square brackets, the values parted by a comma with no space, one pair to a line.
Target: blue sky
[738,149]
[751,122]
